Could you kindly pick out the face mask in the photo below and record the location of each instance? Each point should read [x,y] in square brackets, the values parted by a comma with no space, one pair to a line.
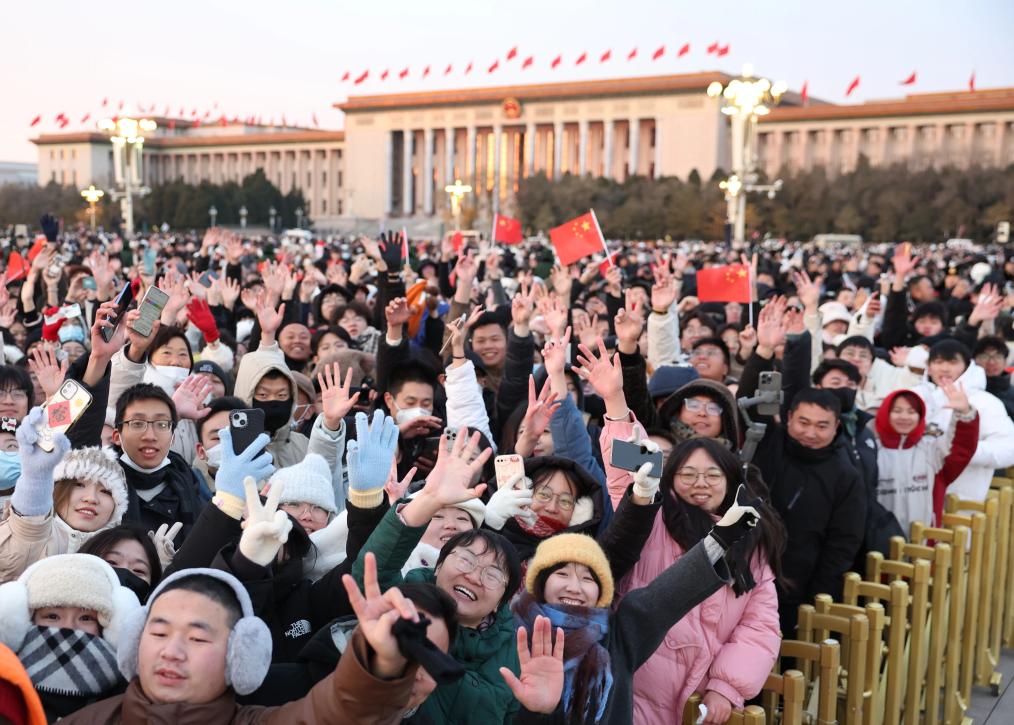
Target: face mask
[167,377]
[846,396]
[405,415]
[276,413]
[134,583]
[214,455]
[10,469]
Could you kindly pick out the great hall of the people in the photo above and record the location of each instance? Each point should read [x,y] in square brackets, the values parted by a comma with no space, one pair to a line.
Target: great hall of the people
[398,151]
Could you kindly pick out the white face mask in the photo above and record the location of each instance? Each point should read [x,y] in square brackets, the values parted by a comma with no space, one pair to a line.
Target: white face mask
[167,377]
[402,416]
[214,456]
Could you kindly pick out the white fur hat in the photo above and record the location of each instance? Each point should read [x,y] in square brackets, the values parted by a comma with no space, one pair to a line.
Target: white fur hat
[99,465]
[65,580]
[309,481]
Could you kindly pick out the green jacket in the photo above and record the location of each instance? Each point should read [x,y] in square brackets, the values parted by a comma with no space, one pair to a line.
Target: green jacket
[481,696]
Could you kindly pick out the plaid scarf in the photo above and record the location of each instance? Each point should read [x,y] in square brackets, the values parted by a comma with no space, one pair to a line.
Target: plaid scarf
[69,661]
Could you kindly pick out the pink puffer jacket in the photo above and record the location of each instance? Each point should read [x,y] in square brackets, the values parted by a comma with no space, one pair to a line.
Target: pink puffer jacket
[727,644]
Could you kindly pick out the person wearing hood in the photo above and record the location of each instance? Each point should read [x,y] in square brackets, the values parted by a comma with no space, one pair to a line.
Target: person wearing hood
[67,603]
[264,381]
[950,362]
[915,468]
[62,498]
[991,355]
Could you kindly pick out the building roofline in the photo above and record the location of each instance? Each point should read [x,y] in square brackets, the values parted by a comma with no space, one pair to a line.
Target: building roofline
[248,139]
[541,91]
[999,99]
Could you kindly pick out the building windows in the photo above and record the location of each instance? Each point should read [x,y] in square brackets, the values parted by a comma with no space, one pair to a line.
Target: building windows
[52,154]
[73,154]
[323,206]
[339,207]
[339,179]
[309,179]
[323,179]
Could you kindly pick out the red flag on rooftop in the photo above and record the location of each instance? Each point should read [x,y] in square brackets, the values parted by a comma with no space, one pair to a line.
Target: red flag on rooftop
[60,116]
[632,54]
[578,238]
[658,53]
[35,122]
[724,50]
[63,123]
[492,68]
[581,59]
[426,71]
[852,86]
[84,119]
[105,101]
[507,230]
[468,68]
[512,53]
[971,83]
[383,76]
[730,283]
[684,50]
[448,69]
[345,76]
[315,122]
[404,73]
[910,81]
[713,48]
[606,56]
[528,62]
[804,92]
[361,78]
[120,107]
[556,61]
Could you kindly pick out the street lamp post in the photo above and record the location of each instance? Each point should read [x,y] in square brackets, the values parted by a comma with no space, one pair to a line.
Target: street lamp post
[92,196]
[457,192]
[272,213]
[126,135]
[213,213]
[744,100]
[242,217]
[299,217]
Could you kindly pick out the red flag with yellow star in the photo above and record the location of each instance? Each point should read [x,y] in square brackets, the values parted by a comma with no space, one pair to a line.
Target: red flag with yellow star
[507,230]
[724,284]
[578,238]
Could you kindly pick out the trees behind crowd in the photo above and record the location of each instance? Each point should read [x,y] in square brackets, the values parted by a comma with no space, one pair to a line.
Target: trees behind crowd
[881,204]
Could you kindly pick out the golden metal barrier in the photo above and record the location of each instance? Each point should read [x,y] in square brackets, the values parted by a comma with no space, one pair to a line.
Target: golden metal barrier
[854,634]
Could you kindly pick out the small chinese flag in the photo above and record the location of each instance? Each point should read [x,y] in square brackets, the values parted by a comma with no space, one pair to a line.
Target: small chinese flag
[577,239]
[724,284]
[724,50]
[506,230]
[315,120]
[684,50]
[556,61]
[468,68]
[493,67]
[448,69]
[426,71]
[804,92]
[852,86]
[971,83]
[632,54]
[910,81]
[17,267]
[383,76]
[345,76]
[606,56]
[528,62]
[658,53]
[361,78]
[105,101]
[35,122]
[457,239]
[404,74]
[512,53]
[713,48]
[581,59]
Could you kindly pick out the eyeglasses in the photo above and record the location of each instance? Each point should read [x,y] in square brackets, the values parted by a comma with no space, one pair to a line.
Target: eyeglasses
[18,396]
[706,352]
[859,355]
[991,357]
[690,476]
[298,509]
[465,562]
[696,406]
[138,425]
[544,494]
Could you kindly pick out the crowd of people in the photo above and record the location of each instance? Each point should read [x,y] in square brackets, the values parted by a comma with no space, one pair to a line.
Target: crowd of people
[324,482]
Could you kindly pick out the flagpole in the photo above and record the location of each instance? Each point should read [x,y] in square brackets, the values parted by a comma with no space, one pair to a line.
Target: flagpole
[753,293]
[602,238]
[492,231]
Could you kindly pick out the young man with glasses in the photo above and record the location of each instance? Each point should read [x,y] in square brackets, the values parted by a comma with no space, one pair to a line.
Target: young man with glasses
[991,354]
[16,392]
[162,488]
[711,359]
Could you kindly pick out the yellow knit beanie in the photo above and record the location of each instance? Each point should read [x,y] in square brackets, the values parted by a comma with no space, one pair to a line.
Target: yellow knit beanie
[577,548]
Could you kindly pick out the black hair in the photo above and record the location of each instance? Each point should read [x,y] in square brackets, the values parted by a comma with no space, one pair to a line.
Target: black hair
[720,344]
[844,366]
[510,427]
[275,374]
[854,341]
[104,541]
[143,391]
[411,371]
[949,349]
[324,331]
[546,472]
[485,320]
[688,524]
[991,343]
[217,405]
[214,589]
[931,309]
[821,398]
[355,306]
[913,281]
[163,336]
[543,576]
[434,601]
[15,378]
[701,316]
[505,554]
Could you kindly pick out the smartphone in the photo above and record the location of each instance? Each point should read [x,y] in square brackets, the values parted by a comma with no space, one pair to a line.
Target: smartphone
[149,261]
[630,457]
[507,467]
[430,447]
[452,434]
[244,426]
[61,411]
[73,310]
[123,301]
[770,382]
[207,278]
[151,309]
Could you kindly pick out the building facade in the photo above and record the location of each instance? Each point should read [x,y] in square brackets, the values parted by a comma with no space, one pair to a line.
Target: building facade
[398,152]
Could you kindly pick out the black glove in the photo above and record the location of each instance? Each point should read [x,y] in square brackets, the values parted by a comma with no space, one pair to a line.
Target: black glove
[415,646]
[50,226]
[742,516]
[390,250]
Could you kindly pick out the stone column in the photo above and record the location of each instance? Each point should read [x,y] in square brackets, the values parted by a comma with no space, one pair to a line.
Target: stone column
[449,155]
[389,165]
[470,159]
[582,147]
[407,207]
[428,171]
[607,148]
[635,134]
[557,149]
[497,141]
[530,149]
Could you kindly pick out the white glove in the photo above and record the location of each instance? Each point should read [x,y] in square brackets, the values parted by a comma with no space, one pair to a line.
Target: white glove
[266,528]
[511,500]
[163,541]
[645,486]
[738,520]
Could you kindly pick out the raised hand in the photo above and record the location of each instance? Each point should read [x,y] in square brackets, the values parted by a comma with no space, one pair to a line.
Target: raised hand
[740,517]
[602,370]
[370,455]
[396,489]
[377,614]
[163,541]
[51,372]
[233,249]
[102,350]
[139,343]
[664,291]
[200,314]
[229,289]
[458,329]
[269,318]
[899,355]
[98,263]
[522,308]
[562,282]
[336,399]
[903,262]
[586,329]
[266,528]
[514,499]
[614,281]
[537,416]
[254,462]
[957,398]
[173,284]
[189,397]
[397,314]
[8,313]
[554,354]
[541,683]
[808,290]
[771,327]
[554,312]
[988,305]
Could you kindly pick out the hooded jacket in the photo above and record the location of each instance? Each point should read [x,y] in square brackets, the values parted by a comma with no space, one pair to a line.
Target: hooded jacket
[669,412]
[916,468]
[995,448]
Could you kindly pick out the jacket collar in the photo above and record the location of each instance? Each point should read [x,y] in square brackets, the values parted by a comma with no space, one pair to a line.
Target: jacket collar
[137,707]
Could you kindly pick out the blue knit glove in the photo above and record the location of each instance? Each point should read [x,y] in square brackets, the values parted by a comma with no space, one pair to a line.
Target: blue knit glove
[33,493]
[253,462]
[368,458]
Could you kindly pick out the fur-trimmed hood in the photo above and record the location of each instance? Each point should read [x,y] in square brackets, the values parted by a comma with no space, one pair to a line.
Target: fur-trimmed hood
[669,412]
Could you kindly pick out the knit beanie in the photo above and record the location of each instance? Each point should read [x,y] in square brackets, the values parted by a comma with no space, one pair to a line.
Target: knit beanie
[99,465]
[308,481]
[576,548]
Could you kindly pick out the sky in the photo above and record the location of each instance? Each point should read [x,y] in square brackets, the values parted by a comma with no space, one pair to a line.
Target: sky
[268,58]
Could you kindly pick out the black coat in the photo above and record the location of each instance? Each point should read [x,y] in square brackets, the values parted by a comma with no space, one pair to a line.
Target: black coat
[180,500]
[999,385]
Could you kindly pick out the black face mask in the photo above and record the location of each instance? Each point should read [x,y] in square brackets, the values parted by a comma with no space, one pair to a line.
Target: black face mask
[846,396]
[134,583]
[276,413]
